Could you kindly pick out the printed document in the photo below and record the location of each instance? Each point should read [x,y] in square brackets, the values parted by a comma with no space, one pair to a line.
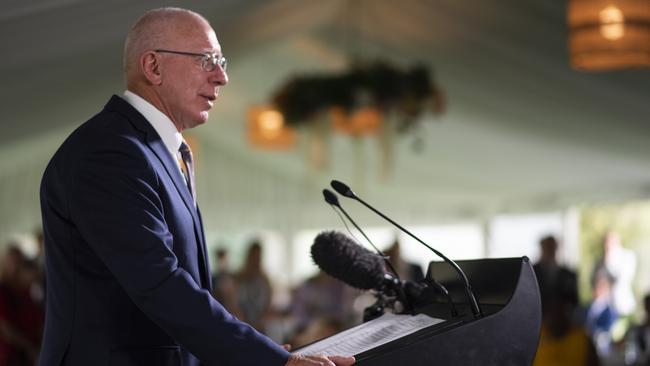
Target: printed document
[369,335]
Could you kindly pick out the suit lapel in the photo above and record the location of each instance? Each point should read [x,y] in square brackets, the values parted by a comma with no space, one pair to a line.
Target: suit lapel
[159,148]
[171,167]
[156,144]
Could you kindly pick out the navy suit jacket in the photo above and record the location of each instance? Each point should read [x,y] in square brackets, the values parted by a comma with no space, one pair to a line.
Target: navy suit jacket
[127,269]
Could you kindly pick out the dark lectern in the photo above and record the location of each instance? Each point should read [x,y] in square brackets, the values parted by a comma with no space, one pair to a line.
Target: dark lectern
[507,333]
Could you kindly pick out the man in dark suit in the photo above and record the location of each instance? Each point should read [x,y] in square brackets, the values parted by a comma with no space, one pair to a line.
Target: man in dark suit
[554,280]
[128,276]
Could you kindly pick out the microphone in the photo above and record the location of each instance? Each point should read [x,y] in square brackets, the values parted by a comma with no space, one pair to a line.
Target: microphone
[331,198]
[342,258]
[344,190]
[334,201]
[415,294]
[407,300]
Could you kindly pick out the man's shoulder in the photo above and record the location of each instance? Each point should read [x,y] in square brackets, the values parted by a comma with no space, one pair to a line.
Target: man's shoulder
[115,122]
[114,130]
[116,118]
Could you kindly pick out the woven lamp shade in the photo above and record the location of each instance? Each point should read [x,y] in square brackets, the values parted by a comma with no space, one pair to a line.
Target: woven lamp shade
[609,35]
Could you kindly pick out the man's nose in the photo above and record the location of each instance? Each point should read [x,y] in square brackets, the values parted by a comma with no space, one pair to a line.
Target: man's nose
[219,76]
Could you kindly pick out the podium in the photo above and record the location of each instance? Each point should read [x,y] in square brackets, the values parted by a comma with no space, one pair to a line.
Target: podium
[507,333]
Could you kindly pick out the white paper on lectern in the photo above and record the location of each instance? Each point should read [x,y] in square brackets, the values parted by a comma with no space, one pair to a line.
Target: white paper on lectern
[369,335]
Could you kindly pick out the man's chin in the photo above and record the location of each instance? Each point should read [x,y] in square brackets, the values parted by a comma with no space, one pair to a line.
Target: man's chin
[202,118]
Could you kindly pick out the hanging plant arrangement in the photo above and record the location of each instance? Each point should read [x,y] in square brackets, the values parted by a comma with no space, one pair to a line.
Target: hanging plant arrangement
[372,89]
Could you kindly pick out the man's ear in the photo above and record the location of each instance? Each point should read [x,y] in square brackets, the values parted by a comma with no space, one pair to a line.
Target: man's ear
[151,68]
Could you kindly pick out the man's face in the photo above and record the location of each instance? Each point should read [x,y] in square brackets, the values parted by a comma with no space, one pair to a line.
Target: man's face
[187,90]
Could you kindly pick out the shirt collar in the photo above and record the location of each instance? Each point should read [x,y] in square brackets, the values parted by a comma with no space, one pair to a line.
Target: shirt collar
[158,120]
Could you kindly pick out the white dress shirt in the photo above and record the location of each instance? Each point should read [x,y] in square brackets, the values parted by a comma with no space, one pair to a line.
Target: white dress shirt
[160,122]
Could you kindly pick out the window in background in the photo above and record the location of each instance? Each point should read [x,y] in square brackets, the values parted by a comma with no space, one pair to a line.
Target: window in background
[302,266]
[519,235]
[457,242]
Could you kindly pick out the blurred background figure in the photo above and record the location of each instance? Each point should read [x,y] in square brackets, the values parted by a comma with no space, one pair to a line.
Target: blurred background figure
[253,289]
[318,329]
[21,318]
[38,290]
[39,258]
[223,281]
[407,271]
[563,342]
[322,306]
[601,313]
[620,264]
[553,278]
[637,340]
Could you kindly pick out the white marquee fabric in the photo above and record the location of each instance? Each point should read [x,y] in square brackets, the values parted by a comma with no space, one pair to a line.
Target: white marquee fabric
[523,132]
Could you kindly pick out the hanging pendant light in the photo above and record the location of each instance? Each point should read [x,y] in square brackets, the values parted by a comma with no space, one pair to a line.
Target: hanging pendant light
[609,34]
[267,129]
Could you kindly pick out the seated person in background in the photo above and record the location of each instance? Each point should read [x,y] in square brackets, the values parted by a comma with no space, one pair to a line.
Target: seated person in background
[323,300]
[253,289]
[562,342]
[316,330]
[223,282]
[407,271]
[21,319]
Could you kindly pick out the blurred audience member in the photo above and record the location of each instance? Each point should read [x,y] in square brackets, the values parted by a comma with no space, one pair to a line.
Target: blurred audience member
[407,271]
[39,259]
[620,264]
[552,277]
[601,314]
[318,329]
[253,289]
[223,282]
[562,342]
[637,342]
[21,319]
[35,267]
[323,297]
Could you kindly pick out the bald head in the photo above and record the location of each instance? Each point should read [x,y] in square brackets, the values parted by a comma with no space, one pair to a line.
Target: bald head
[157,28]
[172,60]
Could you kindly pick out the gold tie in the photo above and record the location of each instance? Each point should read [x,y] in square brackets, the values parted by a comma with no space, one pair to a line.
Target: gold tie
[188,169]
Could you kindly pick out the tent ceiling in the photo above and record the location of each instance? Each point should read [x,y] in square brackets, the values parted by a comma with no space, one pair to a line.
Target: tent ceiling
[523,131]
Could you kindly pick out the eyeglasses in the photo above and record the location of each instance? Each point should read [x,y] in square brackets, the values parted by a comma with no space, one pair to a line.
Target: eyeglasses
[209,61]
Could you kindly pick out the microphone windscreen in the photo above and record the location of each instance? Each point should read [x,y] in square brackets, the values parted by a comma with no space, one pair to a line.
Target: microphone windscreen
[342,258]
[330,197]
[342,188]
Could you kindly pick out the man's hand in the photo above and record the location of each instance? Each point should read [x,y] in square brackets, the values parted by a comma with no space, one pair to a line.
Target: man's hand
[302,360]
